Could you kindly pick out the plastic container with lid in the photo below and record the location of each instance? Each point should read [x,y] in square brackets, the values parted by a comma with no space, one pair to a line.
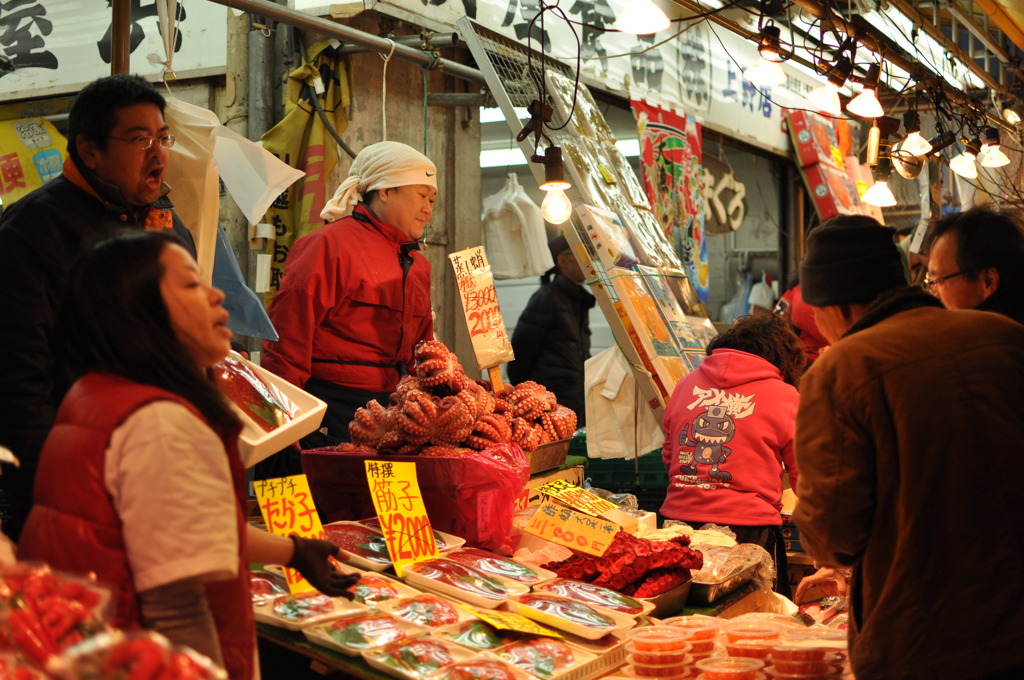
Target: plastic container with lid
[658,639]
[666,658]
[663,672]
[776,674]
[729,668]
[752,630]
[754,648]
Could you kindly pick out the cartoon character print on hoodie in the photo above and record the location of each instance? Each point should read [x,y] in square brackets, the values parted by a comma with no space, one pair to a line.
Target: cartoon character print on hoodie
[728,437]
[712,430]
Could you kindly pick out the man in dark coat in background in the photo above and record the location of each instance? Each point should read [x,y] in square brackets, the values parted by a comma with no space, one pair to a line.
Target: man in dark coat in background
[976,261]
[551,341]
[112,180]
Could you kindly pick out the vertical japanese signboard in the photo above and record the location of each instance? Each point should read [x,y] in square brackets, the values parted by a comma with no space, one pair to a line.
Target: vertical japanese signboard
[491,343]
[403,517]
[287,507]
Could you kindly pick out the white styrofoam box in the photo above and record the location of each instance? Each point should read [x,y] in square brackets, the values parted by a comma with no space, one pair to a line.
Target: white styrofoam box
[255,444]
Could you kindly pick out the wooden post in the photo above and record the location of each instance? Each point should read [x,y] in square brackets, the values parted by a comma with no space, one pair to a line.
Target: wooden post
[496,383]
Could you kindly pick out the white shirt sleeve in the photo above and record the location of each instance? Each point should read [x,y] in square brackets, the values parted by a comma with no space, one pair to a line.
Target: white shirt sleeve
[171,485]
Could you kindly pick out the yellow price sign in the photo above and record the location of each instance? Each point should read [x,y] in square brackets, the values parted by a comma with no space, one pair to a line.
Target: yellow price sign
[286,504]
[837,158]
[577,498]
[572,529]
[403,518]
[512,621]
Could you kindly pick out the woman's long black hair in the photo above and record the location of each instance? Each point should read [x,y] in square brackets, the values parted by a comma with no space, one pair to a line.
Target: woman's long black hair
[114,319]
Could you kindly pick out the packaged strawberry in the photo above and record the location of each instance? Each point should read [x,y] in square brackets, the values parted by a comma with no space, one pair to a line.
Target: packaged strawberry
[424,610]
[45,612]
[414,657]
[138,654]
[543,657]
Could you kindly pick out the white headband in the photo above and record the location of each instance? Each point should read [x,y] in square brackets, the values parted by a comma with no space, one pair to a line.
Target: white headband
[380,166]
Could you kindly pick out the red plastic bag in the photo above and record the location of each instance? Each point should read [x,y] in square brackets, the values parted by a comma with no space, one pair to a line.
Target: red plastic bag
[471,496]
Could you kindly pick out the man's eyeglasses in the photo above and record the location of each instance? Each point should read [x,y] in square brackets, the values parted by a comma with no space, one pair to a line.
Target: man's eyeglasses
[933,282]
[143,143]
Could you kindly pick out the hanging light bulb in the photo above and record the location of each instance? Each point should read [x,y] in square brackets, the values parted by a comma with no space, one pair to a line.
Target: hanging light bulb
[963,163]
[826,97]
[880,194]
[866,104]
[1011,116]
[874,141]
[914,143]
[556,207]
[642,17]
[766,71]
[991,156]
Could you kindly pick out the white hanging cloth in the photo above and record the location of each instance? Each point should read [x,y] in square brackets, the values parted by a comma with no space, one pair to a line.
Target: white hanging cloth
[620,424]
[514,234]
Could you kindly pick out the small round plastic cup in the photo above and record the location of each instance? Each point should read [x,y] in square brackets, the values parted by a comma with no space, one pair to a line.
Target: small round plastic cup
[729,668]
[646,671]
[658,639]
[752,630]
[833,636]
[700,627]
[754,648]
[776,674]
[672,657]
[797,653]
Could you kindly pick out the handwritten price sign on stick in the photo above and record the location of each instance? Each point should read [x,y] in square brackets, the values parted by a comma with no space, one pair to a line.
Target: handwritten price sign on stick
[572,529]
[287,507]
[585,501]
[403,518]
[491,344]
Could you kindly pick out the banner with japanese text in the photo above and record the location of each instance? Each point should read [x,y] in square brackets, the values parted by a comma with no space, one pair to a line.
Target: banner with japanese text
[670,166]
[57,47]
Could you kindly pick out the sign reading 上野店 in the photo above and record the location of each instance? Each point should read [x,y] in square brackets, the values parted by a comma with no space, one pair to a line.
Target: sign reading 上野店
[287,507]
[403,517]
[58,47]
[491,344]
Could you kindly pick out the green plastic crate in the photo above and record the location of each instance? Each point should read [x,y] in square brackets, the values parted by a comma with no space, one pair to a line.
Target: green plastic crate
[619,474]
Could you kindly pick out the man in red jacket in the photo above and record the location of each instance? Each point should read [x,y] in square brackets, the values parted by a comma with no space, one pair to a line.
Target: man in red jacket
[355,296]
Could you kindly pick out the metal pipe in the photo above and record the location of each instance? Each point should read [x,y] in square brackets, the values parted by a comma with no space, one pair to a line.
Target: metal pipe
[346,34]
[456,99]
[432,39]
[119,26]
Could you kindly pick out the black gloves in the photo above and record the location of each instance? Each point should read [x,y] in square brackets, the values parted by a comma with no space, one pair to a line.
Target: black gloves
[312,560]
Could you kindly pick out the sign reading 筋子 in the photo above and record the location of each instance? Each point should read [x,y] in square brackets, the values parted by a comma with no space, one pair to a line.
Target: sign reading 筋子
[396,496]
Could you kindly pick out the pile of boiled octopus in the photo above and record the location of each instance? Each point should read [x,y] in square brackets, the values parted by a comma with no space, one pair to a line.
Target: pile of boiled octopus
[437,410]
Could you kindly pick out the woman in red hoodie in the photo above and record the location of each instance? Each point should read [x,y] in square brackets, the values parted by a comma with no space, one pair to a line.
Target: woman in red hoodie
[729,434]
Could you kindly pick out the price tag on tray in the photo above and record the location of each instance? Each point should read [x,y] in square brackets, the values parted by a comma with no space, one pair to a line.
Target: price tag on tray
[396,496]
[286,504]
[512,621]
[572,529]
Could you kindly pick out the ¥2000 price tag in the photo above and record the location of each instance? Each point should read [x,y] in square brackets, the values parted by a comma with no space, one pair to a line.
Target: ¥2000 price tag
[286,504]
[403,518]
[572,529]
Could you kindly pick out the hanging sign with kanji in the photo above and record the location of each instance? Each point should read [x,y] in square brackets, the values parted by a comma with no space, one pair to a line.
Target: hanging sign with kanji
[572,529]
[287,508]
[588,502]
[403,518]
[473,277]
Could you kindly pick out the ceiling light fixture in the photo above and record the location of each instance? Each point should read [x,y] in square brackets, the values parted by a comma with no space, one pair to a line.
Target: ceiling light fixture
[991,156]
[766,72]
[866,104]
[642,17]
[1011,116]
[914,143]
[941,141]
[826,97]
[880,194]
[963,163]
[556,207]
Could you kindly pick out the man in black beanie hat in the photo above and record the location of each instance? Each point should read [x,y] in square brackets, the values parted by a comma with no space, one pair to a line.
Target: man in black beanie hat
[908,443]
